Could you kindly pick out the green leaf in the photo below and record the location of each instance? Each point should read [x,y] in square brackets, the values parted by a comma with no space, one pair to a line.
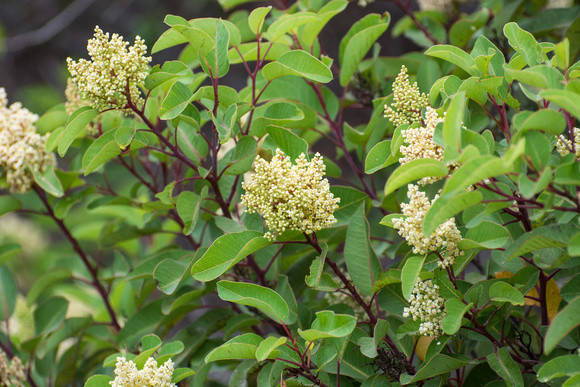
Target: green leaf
[76,122]
[455,309]
[169,273]
[503,364]
[50,315]
[574,245]
[9,204]
[48,181]
[149,344]
[225,124]
[8,293]
[291,144]
[124,136]
[328,324]
[299,63]
[568,174]
[102,150]
[8,250]
[464,29]
[181,373]
[565,321]
[368,345]
[201,42]
[141,323]
[265,299]
[410,273]
[547,120]
[217,59]
[168,351]
[266,347]
[317,268]
[504,292]
[169,70]
[379,157]
[241,347]
[225,252]
[288,22]
[256,18]
[188,205]
[474,171]
[243,156]
[456,56]
[568,365]
[452,125]
[539,238]
[361,260]
[414,170]
[524,43]
[486,235]
[99,381]
[358,41]
[566,99]
[311,30]
[436,365]
[175,102]
[447,206]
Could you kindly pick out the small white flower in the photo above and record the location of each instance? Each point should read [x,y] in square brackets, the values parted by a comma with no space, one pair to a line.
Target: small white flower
[408,101]
[127,374]
[563,146]
[410,227]
[427,306]
[113,71]
[291,197]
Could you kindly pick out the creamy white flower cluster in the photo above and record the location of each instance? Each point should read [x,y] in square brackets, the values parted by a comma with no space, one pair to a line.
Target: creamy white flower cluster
[563,146]
[114,72]
[74,101]
[290,197]
[421,145]
[13,374]
[408,101]
[411,228]
[20,145]
[364,3]
[127,374]
[427,306]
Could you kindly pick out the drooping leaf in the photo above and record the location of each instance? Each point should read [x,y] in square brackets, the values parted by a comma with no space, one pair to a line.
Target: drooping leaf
[175,102]
[524,43]
[241,347]
[225,252]
[455,309]
[503,364]
[102,150]
[268,346]
[436,365]
[265,299]
[447,206]
[188,205]
[414,170]
[358,41]
[504,292]
[456,56]
[568,365]
[564,322]
[329,324]
[76,122]
[8,293]
[361,259]
[48,181]
[299,63]
[410,273]
[317,268]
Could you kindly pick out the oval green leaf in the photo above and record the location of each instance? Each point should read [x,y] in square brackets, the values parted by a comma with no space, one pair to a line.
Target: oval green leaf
[414,170]
[265,299]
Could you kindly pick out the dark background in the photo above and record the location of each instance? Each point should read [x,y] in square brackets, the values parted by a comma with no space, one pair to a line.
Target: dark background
[36,37]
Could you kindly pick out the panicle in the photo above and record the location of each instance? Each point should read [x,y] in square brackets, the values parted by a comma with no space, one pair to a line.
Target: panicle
[290,196]
[408,101]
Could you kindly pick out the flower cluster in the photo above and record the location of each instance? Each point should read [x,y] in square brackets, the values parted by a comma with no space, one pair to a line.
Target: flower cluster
[74,101]
[411,228]
[408,101]
[291,197]
[420,143]
[127,374]
[114,72]
[21,147]
[563,146]
[427,306]
[13,374]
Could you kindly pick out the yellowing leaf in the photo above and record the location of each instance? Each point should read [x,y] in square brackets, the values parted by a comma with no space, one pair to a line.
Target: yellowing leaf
[422,345]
